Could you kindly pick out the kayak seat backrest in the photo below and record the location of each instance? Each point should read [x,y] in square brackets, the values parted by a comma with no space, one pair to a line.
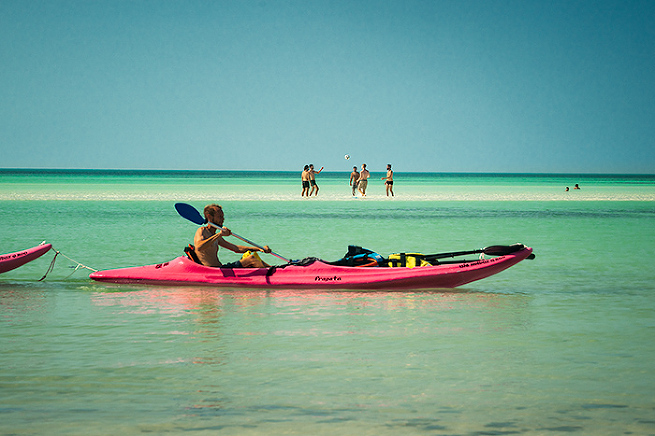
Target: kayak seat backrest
[407,260]
[190,252]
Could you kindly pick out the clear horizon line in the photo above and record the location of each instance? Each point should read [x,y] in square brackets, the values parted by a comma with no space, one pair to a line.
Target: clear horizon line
[145,170]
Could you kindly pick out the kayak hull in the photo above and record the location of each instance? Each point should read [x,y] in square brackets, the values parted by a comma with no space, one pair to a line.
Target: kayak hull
[317,275]
[19,258]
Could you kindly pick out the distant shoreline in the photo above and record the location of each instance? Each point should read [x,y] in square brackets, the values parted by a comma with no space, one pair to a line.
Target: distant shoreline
[194,185]
[287,173]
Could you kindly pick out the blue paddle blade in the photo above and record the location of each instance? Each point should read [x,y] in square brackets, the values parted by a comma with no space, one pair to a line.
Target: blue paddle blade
[189,212]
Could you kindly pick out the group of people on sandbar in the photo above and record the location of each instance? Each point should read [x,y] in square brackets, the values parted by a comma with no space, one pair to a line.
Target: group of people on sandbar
[358,180]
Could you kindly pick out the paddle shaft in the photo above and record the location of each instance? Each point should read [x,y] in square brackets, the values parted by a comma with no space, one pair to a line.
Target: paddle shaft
[494,250]
[454,254]
[250,242]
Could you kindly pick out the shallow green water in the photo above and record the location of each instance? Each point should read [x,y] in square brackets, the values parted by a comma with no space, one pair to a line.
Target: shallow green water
[561,344]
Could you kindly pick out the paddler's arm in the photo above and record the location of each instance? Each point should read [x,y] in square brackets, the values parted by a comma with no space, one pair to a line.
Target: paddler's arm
[241,248]
[200,240]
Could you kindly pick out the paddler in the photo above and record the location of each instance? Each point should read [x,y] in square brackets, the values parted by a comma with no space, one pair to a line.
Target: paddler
[207,241]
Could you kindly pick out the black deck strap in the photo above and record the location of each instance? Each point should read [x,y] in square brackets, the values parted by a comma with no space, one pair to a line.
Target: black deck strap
[400,262]
[303,262]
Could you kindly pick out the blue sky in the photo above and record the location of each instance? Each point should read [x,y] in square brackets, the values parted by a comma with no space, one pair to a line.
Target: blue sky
[444,86]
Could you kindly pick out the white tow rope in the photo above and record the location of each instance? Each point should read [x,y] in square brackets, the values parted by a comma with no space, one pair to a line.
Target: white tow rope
[52,265]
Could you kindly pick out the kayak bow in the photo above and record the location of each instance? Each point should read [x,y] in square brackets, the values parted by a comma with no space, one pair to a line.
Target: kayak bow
[19,258]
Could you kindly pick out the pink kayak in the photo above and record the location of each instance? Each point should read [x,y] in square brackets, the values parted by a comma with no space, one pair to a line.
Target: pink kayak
[14,260]
[315,274]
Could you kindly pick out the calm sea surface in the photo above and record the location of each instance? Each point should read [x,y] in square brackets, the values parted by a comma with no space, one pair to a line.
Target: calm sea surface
[562,344]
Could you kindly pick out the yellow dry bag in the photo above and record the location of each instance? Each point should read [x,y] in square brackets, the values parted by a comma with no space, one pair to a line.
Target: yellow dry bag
[407,260]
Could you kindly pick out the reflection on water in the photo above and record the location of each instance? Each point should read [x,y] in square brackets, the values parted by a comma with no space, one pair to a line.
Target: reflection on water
[168,359]
[205,305]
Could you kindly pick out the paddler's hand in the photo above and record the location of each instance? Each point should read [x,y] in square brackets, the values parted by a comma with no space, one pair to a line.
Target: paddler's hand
[225,231]
[267,249]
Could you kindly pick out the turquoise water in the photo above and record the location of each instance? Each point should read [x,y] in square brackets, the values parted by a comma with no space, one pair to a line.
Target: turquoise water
[558,345]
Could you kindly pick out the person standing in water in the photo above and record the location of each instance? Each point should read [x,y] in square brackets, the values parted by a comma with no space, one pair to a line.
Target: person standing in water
[312,179]
[354,179]
[305,181]
[389,180]
[363,180]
